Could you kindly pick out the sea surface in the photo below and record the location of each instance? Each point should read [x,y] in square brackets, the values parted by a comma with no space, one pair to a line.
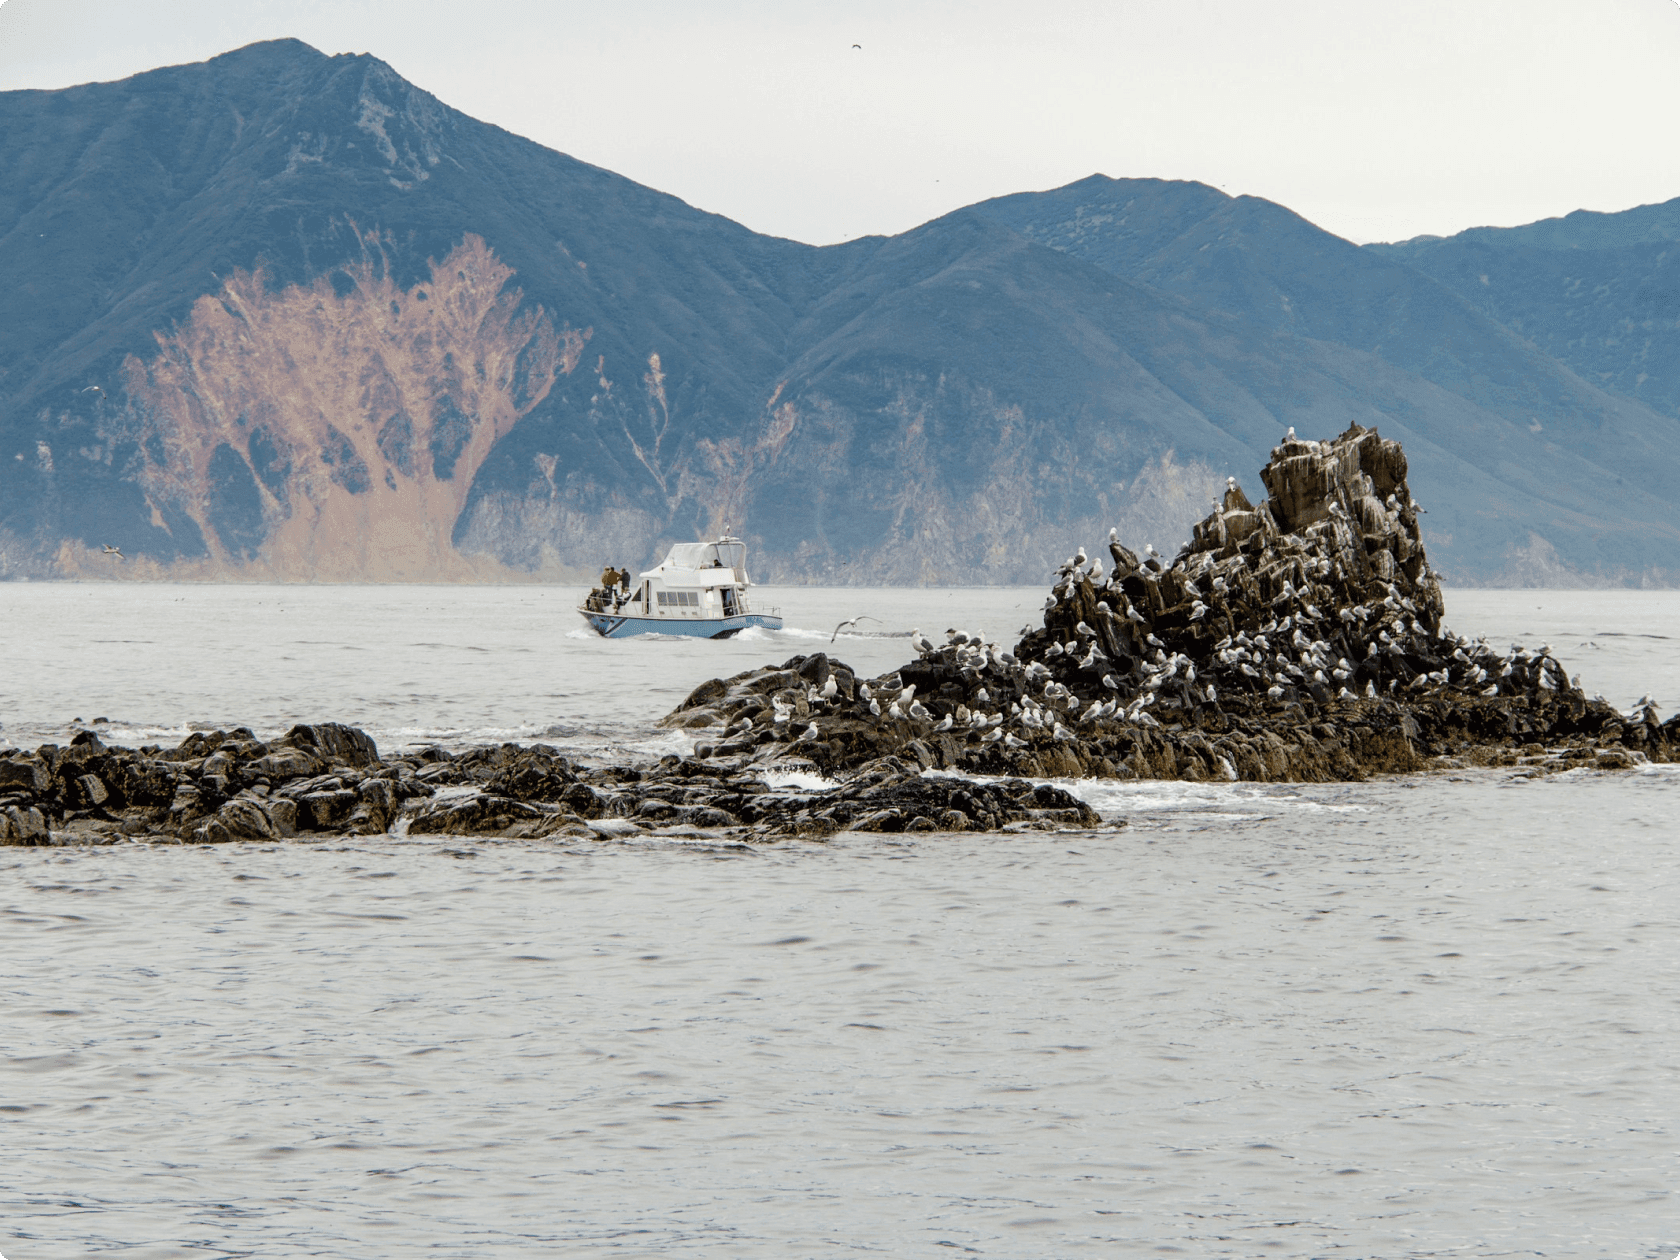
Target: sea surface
[1425,1016]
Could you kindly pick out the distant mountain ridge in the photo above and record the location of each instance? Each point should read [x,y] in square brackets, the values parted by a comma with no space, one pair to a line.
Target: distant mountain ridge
[283,315]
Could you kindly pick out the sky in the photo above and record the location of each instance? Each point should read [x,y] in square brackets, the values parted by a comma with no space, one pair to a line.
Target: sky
[826,121]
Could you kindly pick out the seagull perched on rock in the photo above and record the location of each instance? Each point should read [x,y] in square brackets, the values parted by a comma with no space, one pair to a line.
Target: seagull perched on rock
[944,723]
[919,711]
[828,689]
[920,642]
[808,734]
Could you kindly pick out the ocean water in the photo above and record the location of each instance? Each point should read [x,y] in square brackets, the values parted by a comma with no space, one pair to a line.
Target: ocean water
[1414,1017]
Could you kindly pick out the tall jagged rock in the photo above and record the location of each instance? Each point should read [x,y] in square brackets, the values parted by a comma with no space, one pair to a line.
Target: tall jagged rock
[1298,639]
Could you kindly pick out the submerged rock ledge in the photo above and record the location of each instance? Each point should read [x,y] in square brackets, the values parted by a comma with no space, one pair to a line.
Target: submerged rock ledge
[329,780]
[1300,640]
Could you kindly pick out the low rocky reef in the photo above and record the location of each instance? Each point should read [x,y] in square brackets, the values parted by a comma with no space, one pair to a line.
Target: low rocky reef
[329,780]
[1299,640]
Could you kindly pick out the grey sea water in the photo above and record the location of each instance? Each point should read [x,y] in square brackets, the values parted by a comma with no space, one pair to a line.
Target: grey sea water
[1415,1017]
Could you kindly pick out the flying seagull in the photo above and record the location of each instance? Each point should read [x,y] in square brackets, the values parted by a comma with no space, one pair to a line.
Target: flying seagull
[114,551]
[857,45]
[852,622]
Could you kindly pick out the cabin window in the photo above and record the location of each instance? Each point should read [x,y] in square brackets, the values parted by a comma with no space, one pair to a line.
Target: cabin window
[679,599]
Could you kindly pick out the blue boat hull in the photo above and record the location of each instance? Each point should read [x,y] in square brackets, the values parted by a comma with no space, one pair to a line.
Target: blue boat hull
[624,625]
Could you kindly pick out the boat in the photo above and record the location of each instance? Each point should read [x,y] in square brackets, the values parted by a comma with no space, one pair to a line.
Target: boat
[698,590]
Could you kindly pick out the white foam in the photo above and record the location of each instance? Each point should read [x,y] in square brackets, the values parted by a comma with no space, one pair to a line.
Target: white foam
[1113,798]
[805,780]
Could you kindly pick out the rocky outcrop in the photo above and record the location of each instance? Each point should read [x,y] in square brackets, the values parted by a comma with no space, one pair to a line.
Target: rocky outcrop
[329,780]
[1300,639]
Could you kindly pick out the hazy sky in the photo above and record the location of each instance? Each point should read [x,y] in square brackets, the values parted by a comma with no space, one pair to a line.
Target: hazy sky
[1378,121]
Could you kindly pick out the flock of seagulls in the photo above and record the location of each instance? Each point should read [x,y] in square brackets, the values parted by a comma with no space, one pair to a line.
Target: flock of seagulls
[1151,641]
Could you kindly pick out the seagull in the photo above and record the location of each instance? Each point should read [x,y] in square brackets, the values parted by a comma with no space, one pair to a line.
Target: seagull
[808,734]
[859,46]
[93,389]
[114,551]
[920,642]
[828,689]
[1290,436]
[919,711]
[852,622]
[944,723]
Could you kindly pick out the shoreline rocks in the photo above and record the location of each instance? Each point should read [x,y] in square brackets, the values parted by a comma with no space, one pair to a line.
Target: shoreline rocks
[329,780]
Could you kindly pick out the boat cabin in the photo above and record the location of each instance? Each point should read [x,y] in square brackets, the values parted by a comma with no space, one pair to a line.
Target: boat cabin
[701,581]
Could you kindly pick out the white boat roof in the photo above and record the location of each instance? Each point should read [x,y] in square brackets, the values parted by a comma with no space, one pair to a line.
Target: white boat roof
[721,562]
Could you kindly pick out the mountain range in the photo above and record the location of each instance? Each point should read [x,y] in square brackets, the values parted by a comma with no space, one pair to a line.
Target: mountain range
[287,316]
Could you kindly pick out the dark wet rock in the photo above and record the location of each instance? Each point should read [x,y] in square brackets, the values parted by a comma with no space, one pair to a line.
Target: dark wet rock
[30,773]
[23,825]
[478,814]
[240,819]
[325,811]
[333,743]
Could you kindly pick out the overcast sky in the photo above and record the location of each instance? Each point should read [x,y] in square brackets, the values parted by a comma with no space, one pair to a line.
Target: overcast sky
[1378,121]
